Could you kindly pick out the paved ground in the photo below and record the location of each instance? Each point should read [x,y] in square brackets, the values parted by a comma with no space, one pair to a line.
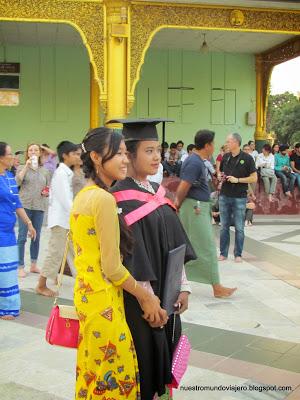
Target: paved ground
[246,346]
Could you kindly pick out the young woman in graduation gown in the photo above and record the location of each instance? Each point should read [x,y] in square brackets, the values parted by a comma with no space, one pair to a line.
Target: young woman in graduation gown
[156,230]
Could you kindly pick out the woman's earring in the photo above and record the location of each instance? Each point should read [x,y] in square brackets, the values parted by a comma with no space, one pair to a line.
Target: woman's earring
[97,170]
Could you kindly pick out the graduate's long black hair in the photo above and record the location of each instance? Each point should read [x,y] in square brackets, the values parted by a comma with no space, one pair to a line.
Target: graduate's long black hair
[132,147]
[106,143]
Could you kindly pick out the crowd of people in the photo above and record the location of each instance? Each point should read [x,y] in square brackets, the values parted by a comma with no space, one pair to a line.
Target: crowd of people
[277,161]
[106,194]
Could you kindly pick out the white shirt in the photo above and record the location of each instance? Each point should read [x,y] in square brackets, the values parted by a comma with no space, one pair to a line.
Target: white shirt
[265,162]
[61,197]
[174,157]
[158,177]
[254,154]
[210,171]
[184,157]
[182,153]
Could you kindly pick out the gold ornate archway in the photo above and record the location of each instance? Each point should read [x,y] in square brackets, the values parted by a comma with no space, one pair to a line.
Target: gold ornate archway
[148,18]
[265,62]
[117,34]
[86,17]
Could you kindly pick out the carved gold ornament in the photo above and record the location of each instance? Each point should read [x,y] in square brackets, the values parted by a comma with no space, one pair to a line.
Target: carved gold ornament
[86,17]
[147,19]
[266,61]
[237,18]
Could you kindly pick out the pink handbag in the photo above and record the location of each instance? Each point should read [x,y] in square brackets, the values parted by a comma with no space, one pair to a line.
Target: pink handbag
[180,360]
[62,331]
[63,325]
[181,357]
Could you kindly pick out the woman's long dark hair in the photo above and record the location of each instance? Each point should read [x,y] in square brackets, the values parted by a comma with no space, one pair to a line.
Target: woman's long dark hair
[275,144]
[3,146]
[267,147]
[106,143]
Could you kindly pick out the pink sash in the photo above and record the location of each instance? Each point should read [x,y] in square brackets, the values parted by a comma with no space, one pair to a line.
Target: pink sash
[153,201]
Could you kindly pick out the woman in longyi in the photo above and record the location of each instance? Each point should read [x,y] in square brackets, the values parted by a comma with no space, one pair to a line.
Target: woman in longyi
[107,366]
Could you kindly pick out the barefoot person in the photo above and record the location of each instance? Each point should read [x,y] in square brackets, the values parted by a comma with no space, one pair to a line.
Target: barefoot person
[106,360]
[10,205]
[193,201]
[33,180]
[156,231]
[60,203]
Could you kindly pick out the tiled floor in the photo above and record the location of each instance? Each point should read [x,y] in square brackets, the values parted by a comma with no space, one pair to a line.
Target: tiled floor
[240,344]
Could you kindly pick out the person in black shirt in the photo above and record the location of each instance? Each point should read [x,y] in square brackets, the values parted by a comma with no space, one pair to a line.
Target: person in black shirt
[193,201]
[295,163]
[238,170]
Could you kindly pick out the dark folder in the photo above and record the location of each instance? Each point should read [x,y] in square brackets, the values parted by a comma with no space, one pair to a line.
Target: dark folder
[173,278]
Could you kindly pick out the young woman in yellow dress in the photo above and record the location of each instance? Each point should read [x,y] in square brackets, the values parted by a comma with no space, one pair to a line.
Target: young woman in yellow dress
[107,366]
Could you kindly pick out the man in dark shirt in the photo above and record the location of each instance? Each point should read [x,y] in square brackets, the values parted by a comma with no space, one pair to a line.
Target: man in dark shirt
[238,170]
[193,200]
[295,163]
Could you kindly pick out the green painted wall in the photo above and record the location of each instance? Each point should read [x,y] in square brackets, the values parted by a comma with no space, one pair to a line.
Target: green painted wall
[54,96]
[214,91]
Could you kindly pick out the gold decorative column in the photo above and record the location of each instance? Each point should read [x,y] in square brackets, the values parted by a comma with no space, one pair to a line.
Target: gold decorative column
[265,62]
[263,75]
[117,36]
[94,100]
[147,18]
[260,128]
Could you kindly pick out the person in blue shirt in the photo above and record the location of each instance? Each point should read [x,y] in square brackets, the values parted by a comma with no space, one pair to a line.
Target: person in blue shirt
[193,203]
[284,171]
[10,205]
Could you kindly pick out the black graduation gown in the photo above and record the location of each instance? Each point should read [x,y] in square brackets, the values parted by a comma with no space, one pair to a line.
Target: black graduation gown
[154,236]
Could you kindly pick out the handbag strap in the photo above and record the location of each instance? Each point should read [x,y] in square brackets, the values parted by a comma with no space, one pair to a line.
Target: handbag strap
[62,267]
[173,333]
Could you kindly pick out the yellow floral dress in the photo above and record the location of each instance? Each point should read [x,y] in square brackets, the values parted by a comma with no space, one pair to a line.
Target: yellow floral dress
[107,367]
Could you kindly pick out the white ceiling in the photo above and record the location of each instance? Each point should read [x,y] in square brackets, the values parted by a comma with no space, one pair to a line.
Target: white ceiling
[218,41]
[283,4]
[35,34]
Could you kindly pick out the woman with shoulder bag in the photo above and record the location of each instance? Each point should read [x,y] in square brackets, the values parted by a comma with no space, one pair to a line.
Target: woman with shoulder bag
[33,180]
[107,365]
[265,161]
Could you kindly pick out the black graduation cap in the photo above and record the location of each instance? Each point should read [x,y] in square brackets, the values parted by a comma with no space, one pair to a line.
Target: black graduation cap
[140,129]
